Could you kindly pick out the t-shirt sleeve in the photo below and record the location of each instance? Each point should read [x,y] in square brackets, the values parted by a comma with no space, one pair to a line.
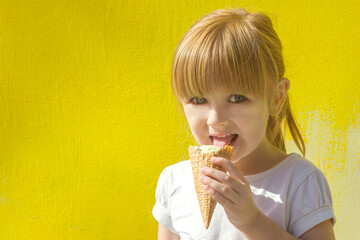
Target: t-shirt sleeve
[311,204]
[161,209]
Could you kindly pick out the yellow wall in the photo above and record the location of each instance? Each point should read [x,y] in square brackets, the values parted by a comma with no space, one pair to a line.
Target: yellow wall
[88,120]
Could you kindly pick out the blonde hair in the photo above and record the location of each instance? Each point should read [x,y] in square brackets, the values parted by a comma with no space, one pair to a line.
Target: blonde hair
[233,49]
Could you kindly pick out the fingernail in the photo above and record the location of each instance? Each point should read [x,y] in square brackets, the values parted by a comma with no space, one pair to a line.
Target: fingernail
[204,169]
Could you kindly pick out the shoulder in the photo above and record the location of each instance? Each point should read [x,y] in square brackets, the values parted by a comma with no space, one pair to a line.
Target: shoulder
[295,161]
[303,173]
[169,183]
[300,169]
[295,174]
[170,179]
[293,170]
[288,177]
[310,201]
[306,178]
[175,172]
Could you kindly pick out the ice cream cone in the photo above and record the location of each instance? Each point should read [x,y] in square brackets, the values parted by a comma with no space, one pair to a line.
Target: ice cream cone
[198,160]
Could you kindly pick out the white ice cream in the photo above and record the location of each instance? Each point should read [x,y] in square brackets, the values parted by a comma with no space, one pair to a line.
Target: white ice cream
[207,148]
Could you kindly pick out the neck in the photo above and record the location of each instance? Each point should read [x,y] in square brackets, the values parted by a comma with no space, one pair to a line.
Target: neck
[263,158]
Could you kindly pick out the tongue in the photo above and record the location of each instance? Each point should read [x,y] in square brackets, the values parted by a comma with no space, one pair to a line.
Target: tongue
[222,141]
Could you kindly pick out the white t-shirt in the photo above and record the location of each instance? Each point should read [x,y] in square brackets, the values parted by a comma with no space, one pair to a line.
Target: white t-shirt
[294,194]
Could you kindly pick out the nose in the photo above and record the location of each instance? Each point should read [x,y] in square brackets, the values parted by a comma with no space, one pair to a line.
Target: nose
[217,117]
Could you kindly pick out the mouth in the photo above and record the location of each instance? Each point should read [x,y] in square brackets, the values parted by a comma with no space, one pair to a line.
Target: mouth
[220,141]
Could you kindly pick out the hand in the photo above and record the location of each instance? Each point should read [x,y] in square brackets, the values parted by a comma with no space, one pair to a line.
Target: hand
[232,192]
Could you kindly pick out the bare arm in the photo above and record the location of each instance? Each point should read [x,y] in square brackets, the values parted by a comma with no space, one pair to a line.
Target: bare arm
[321,231]
[165,234]
[263,228]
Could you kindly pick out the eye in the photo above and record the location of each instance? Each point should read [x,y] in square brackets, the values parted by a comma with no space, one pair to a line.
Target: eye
[237,98]
[197,100]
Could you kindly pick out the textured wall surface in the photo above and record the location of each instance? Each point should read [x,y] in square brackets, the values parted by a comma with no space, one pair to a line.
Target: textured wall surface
[88,120]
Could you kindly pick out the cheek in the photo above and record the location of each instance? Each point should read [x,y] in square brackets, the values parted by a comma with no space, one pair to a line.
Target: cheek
[252,123]
[194,118]
[252,128]
[197,122]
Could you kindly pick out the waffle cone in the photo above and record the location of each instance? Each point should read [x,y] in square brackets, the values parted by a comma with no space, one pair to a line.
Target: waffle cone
[198,160]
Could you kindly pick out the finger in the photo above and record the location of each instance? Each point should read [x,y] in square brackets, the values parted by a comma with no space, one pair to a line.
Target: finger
[218,197]
[223,189]
[223,178]
[231,168]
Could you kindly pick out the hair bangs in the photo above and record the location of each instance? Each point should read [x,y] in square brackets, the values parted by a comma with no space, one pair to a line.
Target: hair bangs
[218,60]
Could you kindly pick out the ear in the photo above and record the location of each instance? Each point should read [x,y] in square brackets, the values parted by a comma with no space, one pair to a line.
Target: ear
[279,96]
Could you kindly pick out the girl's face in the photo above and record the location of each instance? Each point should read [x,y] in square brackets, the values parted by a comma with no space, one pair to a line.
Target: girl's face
[224,118]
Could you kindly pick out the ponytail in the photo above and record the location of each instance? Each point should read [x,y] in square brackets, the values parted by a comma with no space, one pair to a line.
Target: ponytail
[276,127]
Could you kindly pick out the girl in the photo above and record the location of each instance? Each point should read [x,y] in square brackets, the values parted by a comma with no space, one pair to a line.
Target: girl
[228,78]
